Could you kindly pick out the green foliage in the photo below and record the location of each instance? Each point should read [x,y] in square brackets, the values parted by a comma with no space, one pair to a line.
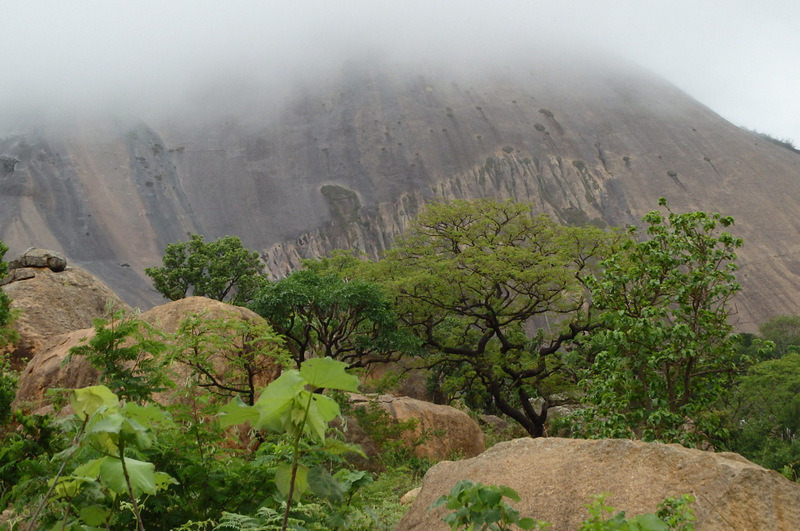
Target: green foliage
[7,334]
[481,507]
[224,270]
[126,351]
[478,507]
[666,351]
[290,405]
[470,278]
[763,415]
[672,514]
[784,332]
[8,388]
[228,355]
[94,491]
[323,314]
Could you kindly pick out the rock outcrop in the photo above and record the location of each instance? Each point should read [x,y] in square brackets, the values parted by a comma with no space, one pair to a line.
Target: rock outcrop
[49,368]
[445,431]
[555,478]
[53,301]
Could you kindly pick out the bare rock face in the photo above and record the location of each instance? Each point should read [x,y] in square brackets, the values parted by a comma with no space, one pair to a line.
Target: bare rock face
[35,257]
[556,478]
[447,430]
[48,369]
[53,303]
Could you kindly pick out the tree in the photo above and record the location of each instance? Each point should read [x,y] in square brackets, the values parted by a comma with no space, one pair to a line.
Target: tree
[666,349]
[784,332]
[229,356]
[126,351]
[223,270]
[763,413]
[7,334]
[497,295]
[322,314]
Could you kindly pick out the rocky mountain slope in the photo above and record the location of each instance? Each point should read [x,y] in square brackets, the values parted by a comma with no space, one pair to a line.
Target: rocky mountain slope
[347,161]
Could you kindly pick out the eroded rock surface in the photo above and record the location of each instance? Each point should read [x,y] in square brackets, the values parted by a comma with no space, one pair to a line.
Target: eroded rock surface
[447,431]
[52,303]
[556,477]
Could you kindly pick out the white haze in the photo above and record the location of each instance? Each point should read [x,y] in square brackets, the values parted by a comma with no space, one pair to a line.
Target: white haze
[738,57]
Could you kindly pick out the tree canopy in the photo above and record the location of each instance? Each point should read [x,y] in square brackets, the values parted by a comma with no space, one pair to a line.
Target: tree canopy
[224,270]
[6,315]
[666,349]
[496,294]
[322,314]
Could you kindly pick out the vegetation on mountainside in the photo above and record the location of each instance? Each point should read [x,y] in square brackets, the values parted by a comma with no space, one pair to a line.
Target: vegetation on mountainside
[510,312]
[224,270]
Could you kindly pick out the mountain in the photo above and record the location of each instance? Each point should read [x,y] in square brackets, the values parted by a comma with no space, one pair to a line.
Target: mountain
[349,159]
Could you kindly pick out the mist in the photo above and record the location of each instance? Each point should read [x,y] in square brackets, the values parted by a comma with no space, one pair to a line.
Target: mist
[149,58]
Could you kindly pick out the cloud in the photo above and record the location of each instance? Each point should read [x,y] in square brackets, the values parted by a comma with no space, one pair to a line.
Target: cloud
[736,56]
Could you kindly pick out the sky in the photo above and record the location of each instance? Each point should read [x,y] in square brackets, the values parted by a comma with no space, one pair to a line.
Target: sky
[741,58]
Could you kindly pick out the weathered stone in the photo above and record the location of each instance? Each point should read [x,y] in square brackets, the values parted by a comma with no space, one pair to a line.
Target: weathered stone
[556,478]
[35,257]
[446,431]
[51,304]
[49,368]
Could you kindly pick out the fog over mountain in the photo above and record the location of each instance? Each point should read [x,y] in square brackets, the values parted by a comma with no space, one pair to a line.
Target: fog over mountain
[305,128]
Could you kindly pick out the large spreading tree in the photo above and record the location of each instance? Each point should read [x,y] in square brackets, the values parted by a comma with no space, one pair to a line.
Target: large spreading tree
[497,295]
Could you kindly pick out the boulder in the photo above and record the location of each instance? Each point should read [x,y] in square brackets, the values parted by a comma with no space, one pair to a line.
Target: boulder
[53,303]
[446,431]
[40,258]
[556,478]
[49,369]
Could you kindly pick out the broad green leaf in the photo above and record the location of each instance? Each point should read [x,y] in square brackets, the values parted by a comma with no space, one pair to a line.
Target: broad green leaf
[145,415]
[89,468]
[350,479]
[70,486]
[327,407]
[651,522]
[324,485]
[337,447]
[237,412]
[164,480]
[327,373]
[87,400]
[276,399]
[283,477]
[141,475]
[95,515]
[110,423]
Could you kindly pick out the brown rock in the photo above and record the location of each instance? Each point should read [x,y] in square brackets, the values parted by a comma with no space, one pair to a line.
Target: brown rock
[446,430]
[39,258]
[167,318]
[48,368]
[53,303]
[556,478]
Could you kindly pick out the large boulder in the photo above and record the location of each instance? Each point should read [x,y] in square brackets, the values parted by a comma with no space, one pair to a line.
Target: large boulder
[446,431]
[556,477]
[52,303]
[39,258]
[50,369]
